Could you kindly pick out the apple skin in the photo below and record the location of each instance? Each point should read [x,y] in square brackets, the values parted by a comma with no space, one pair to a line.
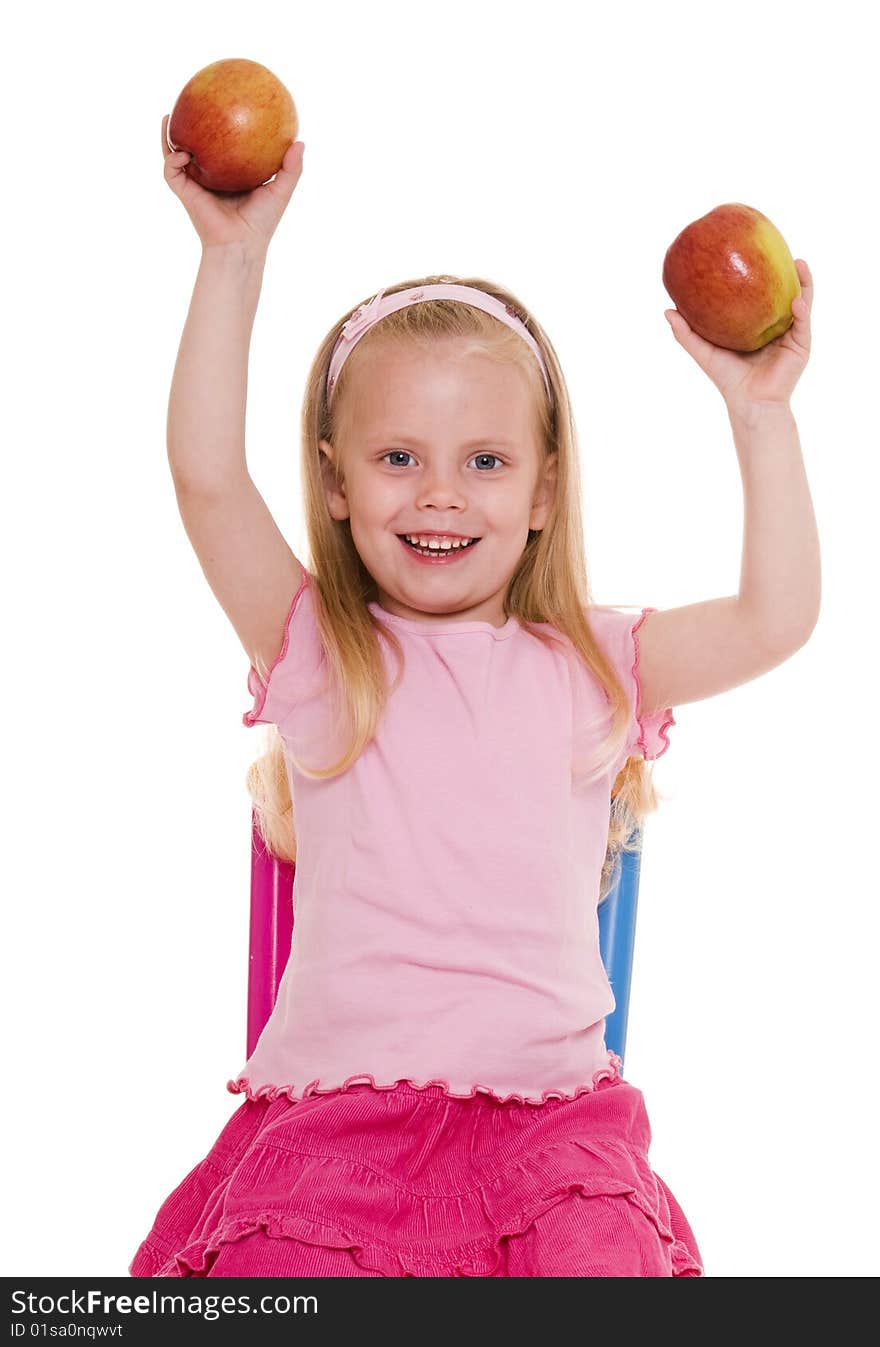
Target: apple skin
[237,120]
[731,276]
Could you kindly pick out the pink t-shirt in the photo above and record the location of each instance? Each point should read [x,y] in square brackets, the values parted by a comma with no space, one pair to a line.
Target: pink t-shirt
[446,884]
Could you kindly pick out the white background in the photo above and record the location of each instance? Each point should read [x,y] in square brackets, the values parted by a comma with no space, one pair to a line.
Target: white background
[557,148]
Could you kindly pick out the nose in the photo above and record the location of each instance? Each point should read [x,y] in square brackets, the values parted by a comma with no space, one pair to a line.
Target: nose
[441,489]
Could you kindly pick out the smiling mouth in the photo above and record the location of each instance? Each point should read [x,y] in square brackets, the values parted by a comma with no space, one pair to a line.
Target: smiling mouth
[439,555]
[463,545]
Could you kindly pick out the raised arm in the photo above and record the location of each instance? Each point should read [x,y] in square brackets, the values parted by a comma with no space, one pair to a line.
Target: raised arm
[702,649]
[246,560]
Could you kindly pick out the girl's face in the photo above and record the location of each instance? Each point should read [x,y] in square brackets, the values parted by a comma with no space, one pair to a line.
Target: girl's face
[441,443]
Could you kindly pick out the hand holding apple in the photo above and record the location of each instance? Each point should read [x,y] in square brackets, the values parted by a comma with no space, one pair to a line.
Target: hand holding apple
[755,379]
[237,120]
[249,219]
[742,304]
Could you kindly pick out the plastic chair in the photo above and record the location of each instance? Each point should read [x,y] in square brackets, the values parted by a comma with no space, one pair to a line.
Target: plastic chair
[272,920]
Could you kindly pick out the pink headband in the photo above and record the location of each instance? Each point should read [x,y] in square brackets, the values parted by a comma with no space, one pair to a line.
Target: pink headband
[382,304]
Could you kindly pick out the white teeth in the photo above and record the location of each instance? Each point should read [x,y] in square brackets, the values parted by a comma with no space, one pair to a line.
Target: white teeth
[436,544]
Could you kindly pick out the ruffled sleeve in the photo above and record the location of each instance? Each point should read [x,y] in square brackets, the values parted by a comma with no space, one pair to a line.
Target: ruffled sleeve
[618,633]
[292,673]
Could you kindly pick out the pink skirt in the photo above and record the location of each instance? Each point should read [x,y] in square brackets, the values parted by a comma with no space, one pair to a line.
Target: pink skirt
[410,1182]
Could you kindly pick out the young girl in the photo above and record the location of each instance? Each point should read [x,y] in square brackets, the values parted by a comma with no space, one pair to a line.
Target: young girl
[461,740]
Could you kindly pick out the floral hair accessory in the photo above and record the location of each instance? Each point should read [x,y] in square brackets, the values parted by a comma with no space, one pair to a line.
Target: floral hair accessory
[362,319]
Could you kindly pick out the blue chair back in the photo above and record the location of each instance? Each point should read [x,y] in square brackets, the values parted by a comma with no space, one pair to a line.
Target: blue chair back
[617,939]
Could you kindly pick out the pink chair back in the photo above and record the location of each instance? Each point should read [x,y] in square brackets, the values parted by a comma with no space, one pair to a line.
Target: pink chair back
[271,931]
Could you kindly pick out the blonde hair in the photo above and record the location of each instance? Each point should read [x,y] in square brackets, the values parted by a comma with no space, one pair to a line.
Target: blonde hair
[549,585]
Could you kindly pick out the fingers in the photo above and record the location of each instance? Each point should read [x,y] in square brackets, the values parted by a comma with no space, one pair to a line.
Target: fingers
[282,186]
[681,328]
[696,346]
[176,156]
[804,275]
[802,305]
[684,333]
[291,164]
[175,160]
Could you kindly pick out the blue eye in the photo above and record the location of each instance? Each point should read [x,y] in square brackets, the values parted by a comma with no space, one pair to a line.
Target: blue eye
[406,454]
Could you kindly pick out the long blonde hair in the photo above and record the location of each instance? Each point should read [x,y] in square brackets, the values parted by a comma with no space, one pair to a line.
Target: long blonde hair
[549,585]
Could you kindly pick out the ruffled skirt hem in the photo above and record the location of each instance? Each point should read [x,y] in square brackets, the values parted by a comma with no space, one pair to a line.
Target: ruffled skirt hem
[480,1258]
[429,1186]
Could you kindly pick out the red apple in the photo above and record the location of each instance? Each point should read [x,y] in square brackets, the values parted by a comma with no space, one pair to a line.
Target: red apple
[731,275]
[237,120]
